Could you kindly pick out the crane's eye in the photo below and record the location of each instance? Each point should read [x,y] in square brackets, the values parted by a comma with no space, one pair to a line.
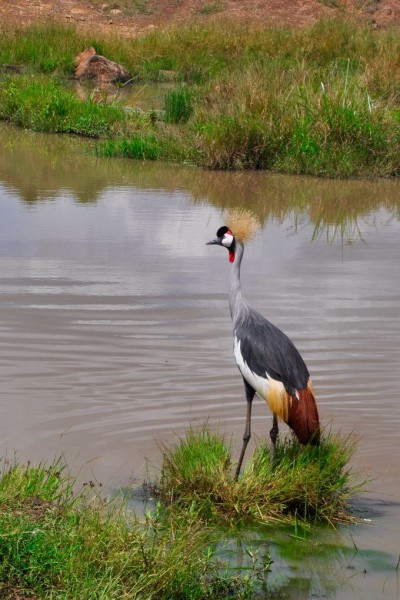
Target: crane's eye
[227,240]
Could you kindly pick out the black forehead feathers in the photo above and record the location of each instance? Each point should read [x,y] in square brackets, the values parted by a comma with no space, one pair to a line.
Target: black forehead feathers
[222,230]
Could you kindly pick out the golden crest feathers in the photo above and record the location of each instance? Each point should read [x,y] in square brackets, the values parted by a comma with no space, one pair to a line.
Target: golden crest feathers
[243,223]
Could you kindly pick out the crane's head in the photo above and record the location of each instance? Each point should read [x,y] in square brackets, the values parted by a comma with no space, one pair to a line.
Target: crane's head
[242,225]
[225,238]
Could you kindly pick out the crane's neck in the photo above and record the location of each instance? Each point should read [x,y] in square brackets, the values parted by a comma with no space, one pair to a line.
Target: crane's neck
[237,303]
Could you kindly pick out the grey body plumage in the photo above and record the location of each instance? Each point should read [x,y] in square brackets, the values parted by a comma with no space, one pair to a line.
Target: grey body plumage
[264,347]
[268,351]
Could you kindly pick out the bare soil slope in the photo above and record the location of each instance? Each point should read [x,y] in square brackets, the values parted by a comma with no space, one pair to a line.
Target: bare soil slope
[129,17]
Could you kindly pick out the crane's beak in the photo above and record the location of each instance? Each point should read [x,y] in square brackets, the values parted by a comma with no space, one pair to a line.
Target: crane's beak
[213,242]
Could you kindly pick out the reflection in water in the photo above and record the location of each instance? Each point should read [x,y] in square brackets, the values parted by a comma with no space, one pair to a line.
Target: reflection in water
[308,563]
[335,208]
[115,332]
[323,566]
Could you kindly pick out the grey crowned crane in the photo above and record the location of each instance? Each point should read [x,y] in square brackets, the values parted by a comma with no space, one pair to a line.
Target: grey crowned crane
[270,364]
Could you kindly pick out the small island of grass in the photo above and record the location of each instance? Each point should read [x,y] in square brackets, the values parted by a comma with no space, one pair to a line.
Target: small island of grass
[305,483]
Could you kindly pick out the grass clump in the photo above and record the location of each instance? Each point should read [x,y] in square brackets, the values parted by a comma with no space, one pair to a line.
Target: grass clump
[305,483]
[44,48]
[178,105]
[334,129]
[44,105]
[147,145]
[141,147]
[195,463]
[58,543]
[339,133]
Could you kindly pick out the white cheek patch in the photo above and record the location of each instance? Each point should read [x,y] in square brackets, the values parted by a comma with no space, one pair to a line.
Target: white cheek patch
[227,240]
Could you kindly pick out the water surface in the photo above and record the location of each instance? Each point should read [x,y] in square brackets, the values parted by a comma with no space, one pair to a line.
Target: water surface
[115,333]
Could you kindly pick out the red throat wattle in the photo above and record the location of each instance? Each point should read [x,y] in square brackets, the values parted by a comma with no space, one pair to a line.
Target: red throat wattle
[231,256]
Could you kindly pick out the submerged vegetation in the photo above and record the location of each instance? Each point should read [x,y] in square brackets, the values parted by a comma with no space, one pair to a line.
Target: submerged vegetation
[302,483]
[323,100]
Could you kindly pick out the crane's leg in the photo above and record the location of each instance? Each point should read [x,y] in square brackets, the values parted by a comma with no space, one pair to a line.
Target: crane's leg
[247,432]
[273,435]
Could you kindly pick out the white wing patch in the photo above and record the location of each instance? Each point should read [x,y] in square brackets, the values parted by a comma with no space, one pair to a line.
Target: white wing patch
[270,389]
[258,383]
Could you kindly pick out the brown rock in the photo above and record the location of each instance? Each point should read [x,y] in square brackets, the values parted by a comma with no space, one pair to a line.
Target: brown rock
[89,65]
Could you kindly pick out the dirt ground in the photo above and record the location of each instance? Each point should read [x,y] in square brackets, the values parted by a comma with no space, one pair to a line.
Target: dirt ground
[130,17]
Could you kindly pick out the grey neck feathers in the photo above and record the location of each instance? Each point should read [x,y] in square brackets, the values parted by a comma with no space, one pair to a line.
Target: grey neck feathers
[237,303]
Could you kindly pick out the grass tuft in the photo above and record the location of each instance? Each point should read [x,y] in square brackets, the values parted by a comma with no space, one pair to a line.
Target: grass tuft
[195,462]
[43,105]
[140,147]
[304,483]
[56,542]
[178,105]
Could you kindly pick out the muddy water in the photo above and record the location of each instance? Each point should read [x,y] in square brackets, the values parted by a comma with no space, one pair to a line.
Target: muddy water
[115,333]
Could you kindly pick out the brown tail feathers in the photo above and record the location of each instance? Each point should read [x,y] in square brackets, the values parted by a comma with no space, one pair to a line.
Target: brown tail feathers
[303,417]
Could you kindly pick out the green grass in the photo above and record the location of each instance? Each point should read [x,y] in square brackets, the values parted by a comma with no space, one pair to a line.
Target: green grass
[178,105]
[303,484]
[323,100]
[140,147]
[148,145]
[56,542]
[43,105]
[46,48]
[61,541]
